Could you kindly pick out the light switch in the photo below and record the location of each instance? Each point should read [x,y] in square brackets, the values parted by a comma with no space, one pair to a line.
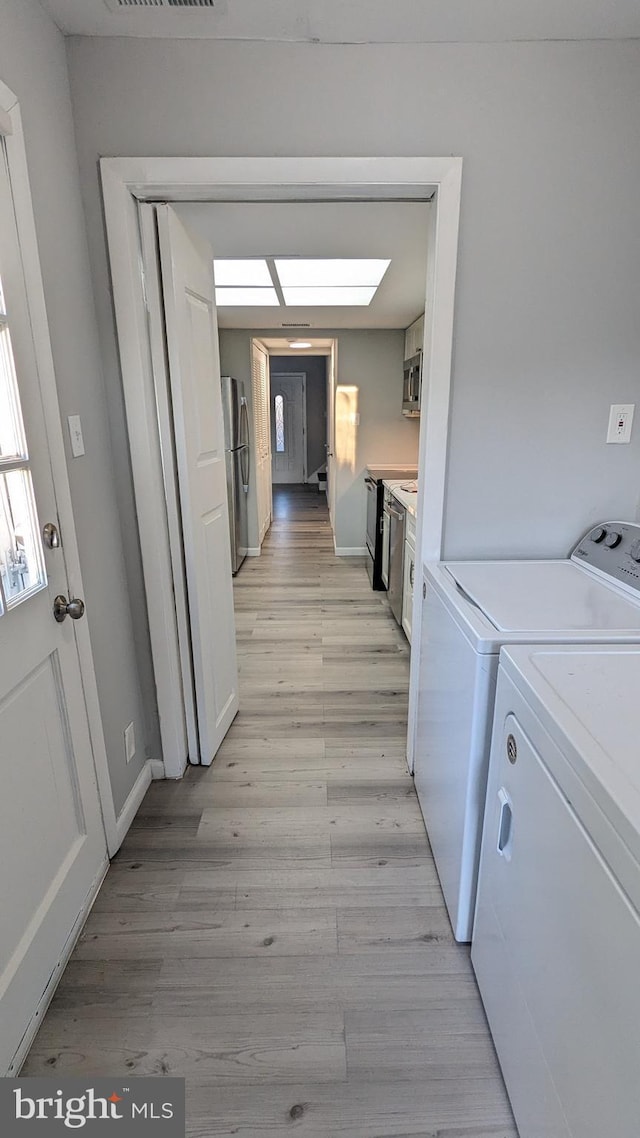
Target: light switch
[620,422]
[75,433]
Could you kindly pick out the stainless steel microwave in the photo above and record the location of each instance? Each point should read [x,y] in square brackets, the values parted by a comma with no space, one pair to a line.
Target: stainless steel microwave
[412,386]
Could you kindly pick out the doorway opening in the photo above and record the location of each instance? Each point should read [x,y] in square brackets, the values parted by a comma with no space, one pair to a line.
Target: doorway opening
[128,182]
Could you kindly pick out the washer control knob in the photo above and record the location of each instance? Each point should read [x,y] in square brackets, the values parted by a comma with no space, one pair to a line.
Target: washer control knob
[612,539]
[598,534]
[635,550]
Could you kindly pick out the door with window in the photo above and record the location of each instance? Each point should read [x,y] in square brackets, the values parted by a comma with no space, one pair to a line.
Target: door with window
[288,428]
[52,841]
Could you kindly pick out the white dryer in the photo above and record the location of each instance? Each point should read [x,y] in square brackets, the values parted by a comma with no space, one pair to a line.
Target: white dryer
[471,609]
[556,940]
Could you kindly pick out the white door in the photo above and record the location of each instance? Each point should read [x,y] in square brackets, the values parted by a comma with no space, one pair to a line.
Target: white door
[262,437]
[288,428]
[194,371]
[52,841]
[332,465]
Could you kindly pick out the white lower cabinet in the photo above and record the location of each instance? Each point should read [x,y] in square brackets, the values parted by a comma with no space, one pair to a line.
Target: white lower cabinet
[409,575]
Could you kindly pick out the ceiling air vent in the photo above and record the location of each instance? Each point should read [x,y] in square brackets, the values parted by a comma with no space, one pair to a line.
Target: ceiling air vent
[117,5]
[295,325]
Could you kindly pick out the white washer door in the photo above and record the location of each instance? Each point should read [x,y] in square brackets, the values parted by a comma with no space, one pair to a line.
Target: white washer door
[556,946]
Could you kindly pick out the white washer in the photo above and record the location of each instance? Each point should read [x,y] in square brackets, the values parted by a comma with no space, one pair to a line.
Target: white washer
[556,940]
[471,609]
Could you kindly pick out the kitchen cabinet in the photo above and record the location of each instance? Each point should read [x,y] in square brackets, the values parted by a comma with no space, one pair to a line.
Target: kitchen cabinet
[409,574]
[413,338]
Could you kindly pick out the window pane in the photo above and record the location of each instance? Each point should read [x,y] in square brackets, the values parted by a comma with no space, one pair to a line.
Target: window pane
[21,563]
[12,441]
[279,415]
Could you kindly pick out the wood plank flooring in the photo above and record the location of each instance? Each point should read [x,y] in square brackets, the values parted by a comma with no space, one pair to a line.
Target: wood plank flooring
[273,928]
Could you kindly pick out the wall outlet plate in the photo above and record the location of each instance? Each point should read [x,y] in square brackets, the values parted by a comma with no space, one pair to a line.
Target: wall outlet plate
[620,422]
[129,742]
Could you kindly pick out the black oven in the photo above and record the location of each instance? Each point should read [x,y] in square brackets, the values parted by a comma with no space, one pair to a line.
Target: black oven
[375,499]
[374,486]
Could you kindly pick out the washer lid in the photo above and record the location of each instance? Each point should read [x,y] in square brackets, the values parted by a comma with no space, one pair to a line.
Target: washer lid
[544,596]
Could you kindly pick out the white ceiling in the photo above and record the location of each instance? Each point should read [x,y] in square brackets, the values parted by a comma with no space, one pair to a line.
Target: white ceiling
[397,230]
[358,21]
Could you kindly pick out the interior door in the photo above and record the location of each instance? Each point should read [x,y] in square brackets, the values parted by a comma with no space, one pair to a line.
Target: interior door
[261,420]
[52,840]
[194,373]
[287,428]
[332,370]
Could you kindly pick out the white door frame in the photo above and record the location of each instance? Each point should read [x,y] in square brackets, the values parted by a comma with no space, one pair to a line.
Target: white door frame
[128,180]
[302,376]
[17,159]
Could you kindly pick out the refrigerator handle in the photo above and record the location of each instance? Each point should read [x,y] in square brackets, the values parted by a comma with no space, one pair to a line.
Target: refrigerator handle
[244,422]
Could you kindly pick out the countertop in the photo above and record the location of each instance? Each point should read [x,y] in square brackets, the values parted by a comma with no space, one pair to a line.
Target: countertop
[404,473]
[408,498]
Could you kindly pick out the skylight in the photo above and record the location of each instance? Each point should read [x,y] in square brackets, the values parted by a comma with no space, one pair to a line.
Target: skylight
[319,273]
[247,297]
[246,273]
[300,282]
[303,297]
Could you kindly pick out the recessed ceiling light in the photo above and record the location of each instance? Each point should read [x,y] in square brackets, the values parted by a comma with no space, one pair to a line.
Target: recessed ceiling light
[297,272]
[247,298]
[247,272]
[300,344]
[303,297]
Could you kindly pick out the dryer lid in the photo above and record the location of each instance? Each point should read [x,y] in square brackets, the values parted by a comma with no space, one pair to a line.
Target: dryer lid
[554,597]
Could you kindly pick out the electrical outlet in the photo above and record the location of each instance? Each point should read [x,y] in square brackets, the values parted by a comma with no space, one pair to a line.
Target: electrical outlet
[129,742]
[620,422]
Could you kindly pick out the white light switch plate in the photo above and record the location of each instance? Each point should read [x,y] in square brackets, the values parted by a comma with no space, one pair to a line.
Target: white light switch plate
[75,434]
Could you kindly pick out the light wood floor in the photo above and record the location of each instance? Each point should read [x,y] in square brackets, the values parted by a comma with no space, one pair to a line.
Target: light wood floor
[273,928]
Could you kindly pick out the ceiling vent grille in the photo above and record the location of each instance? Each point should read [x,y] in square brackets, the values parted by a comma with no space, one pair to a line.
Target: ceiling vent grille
[117,4]
[295,325]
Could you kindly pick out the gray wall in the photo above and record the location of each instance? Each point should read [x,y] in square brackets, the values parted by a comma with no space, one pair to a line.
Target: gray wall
[546,334]
[370,375]
[315,369]
[33,65]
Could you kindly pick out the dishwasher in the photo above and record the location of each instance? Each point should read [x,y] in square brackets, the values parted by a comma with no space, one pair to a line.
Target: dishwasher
[396,513]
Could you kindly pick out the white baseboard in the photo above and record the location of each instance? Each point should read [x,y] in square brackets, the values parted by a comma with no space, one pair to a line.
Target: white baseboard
[350,550]
[132,804]
[157,768]
[253,552]
[55,977]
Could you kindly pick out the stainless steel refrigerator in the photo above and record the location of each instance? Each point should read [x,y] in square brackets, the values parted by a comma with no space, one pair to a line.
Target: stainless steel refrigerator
[237,457]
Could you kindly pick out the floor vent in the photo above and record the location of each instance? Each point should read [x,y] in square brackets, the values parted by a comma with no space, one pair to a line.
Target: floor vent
[115,5]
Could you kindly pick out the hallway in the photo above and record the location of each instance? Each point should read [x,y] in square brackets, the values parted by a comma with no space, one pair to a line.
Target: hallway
[272,928]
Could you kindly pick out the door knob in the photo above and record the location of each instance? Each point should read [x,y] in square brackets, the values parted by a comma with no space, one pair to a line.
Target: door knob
[63,608]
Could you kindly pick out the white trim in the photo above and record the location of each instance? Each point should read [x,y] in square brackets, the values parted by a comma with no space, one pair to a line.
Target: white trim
[174,670]
[39,1012]
[157,769]
[133,801]
[328,179]
[121,215]
[25,221]
[350,550]
[442,259]
[254,551]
